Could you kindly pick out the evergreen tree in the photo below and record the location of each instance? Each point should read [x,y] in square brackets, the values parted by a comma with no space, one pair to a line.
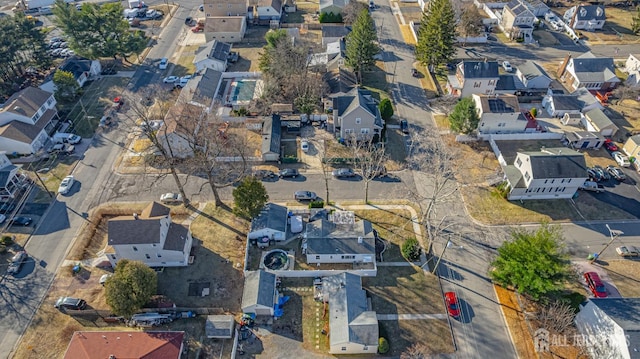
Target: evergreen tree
[386,109]
[362,44]
[464,118]
[130,288]
[67,88]
[437,34]
[249,197]
[635,21]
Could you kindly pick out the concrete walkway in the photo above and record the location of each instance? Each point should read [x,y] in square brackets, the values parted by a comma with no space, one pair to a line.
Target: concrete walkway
[410,316]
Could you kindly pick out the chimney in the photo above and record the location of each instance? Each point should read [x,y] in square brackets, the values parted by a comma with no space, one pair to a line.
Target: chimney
[563,67]
[135,216]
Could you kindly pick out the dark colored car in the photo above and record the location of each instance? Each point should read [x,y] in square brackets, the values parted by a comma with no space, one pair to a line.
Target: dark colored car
[343,173]
[188,21]
[16,262]
[23,221]
[288,172]
[595,284]
[415,73]
[609,145]
[404,126]
[453,306]
[70,303]
[375,171]
[7,207]
[602,172]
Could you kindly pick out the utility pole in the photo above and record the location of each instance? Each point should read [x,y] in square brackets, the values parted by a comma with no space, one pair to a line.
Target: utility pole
[613,233]
[448,244]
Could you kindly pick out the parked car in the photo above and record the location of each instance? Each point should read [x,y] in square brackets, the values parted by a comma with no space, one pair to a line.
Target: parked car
[595,284]
[507,66]
[288,172]
[404,126]
[16,262]
[616,173]
[415,73]
[609,145]
[593,175]
[305,196]
[201,8]
[628,251]
[171,198]
[453,306]
[622,160]
[170,79]
[70,303]
[592,186]
[22,221]
[6,207]
[343,173]
[304,145]
[104,278]
[263,174]
[164,62]
[188,21]
[66,184]
[601,171]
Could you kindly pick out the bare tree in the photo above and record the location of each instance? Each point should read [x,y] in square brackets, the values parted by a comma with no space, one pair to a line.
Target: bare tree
[444,104]
[370,159]
[417,351]
[556,316]
[325,165]
[626,92]
[351,10]
[470,23]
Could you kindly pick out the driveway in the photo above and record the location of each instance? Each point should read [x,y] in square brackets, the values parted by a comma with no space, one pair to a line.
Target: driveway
[585,266]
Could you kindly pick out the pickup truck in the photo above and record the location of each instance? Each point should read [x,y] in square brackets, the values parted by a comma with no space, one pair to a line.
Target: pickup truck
[592,186]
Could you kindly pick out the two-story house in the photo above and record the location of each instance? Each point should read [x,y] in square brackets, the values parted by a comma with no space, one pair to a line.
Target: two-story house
[26,120]
[517,21]
[632,67]
[11,179]
[499,114]
[585,17]
[229,29]
[225,8]
[150,237]
[551,173]
[356,115]
[588,71]
[473,77]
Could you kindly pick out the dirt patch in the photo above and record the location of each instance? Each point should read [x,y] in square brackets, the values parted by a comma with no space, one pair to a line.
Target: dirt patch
[402,334]
[514,317]
[394,227]
[624,274]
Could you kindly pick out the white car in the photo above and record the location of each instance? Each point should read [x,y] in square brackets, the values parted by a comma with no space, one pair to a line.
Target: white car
[507,66]
[304,146]
[164,62]
[622,160]
[66,185]
[170,79]
[171,198]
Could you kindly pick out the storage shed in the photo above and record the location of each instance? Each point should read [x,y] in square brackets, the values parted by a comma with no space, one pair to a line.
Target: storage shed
[219,326]
[260,294]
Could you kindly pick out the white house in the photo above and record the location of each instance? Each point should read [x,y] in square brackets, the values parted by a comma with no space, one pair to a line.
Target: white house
[213,55]
[11,179]
[260,294]
[81,68]
[341,239]
[559,105]
[632,67]
[352,323]
[271,136]
[585,17]
[533,76]
[26,119]
[551,173]
[611,327]
[334,34]
[538,7]
[632,146]
[517,20]
[583,140]
[587,100]
[473,77]
[268,10]
[588,71]
[596,121]
[229,29]
[270,223]
[150,237]
[332,6]
[356,114]
[499,114]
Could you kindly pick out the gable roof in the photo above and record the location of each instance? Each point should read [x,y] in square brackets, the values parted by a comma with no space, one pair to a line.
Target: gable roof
[276,4]
[271,134]
[589,68]
[224,23]
[259,289]
[585,97]
[272,216]
[125,344]
[213,50]
[479,69]
[202,89]
[519,8]
[623,311]
[508,82]
[499,104]
[6,174]
[357,98]
[590,12]
[177,236]
[350,321]
[566,102]
[219,326]
[557,163]
[24,132]
[599,119]
[530,70]
[143,230]
[325,237]
[335,31]
[26,102]
[155,210]
[76,65]
[340,81]
[337,3]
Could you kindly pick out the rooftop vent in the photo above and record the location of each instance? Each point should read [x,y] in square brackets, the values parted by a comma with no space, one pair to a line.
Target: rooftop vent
[135,216]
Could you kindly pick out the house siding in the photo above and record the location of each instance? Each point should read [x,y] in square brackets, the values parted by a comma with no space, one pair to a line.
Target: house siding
[478,86]
[339,258]
[10,146]
[632,146]
[348,123]
[353,348]
[598,327]
[229,8]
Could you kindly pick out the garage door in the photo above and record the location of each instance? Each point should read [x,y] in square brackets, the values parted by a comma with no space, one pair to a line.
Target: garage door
[607,133]
[264,311]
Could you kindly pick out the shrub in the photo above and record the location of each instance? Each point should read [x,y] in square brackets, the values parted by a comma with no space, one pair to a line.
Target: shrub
[316,204]
[329,18]
[3,248]
[534,112]
[411,249]
[7,240]
[383,345]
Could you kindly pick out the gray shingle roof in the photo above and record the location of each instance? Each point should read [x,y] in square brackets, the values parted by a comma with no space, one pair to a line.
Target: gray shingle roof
[566,102]
[259,289]
[219,326]
[76,65]
[335,31]
[271,134]
[624,311]
[509,83]
[24,132]
[340,81]
[480,69]
[598,118]
[144,230]
[176,237]
[557,163]
[519,8]
[26,102]
[213,50]
[273,216]
[499,104]
[350,321]
[202,89]
[530,70]
[354,99]
[594,69]
[590,12]
[324,237]
[338,3]
[585,97]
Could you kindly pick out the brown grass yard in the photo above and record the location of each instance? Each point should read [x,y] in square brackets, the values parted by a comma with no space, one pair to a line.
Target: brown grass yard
[392,226]
[402,334]
[625,275]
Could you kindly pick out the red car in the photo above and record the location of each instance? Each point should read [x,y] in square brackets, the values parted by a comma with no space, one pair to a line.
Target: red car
[595,284]
[609,145]
[453,306]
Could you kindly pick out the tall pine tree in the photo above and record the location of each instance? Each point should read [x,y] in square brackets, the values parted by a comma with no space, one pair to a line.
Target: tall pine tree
[362,44]
[437,34]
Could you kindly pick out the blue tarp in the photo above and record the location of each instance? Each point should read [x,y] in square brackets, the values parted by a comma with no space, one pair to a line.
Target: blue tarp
[277,309]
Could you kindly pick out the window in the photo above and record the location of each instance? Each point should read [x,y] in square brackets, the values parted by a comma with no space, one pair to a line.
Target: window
[477,84]
[159,255]
[148,256]
[358,120]
[36,117]
[518,161]
[348,130]
[50,101]
[545,181]
[527,176]
[135,249]
[348,257]
[317,257]
[229,6]
[492,82]
[364,131]
[344,348]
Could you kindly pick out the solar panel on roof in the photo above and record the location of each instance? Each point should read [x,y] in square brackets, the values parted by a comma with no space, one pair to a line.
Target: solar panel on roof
[498,105]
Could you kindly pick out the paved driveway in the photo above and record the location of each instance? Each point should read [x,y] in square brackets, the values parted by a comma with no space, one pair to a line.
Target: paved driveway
[585,266]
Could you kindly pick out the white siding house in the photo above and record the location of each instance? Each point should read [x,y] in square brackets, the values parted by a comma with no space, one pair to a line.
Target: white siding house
[11,179]
[632,67]
[551,173]
[585,17]
[533,76]
[213,56]
[499,114]
[270,223]
[473,77]
[81,68]
[259,295]
[596,121]
[632,146]
[150,237]
[269,10]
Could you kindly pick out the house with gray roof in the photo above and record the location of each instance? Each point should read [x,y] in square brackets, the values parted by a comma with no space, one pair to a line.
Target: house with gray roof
[268,10]
[202,90]
[517,20]
[333,241]
[331,59]
[271,136]
[598,122]
[81,68]
[509,84]
[499,114]
[150,237]
[352,323]
[332,6]
[219,326]
[229,29]
[213,55]
[340,81]
[632,67]
[533,76]
[611,327]
[559,105]
[12,180]
[27,119]
[538,7]
[334,33]
[356,115]
[581,140]
[473,77]
[270,223]
[588,71]
[585,17]
[260,294]
[550,173]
